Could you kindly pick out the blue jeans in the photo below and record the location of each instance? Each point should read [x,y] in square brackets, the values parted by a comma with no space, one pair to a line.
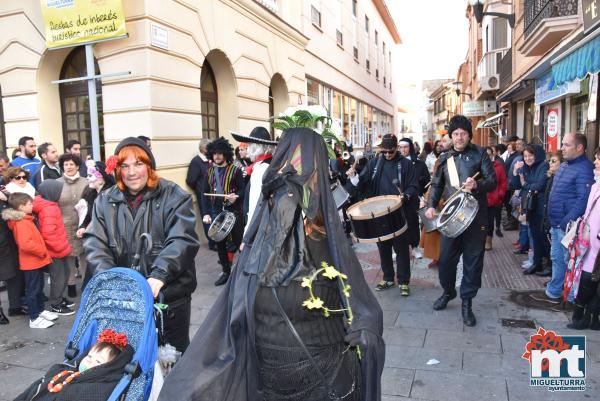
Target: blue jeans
[524,236]
[560,258]
[34,287]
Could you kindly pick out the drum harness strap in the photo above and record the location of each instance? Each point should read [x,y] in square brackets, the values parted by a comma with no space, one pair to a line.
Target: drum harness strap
[378,165]
[453,173]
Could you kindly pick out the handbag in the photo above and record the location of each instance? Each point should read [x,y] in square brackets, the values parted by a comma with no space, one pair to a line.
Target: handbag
[573,227]
[528,201]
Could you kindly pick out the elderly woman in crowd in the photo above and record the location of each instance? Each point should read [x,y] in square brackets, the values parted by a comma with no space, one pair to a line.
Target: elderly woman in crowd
[587,301]
[17,180]
[71,194]
[531,176]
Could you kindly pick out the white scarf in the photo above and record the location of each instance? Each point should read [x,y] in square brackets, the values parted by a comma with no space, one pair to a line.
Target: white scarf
[72,179]
[13,188]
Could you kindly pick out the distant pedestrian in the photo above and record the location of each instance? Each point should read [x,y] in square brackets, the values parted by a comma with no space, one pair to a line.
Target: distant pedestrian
[196,179]
[27,160]
[495,200]
[72,192]
[49,169]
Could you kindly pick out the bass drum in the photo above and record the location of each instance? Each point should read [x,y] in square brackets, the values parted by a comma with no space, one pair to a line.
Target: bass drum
[458,214]
[221,226]
[377,219]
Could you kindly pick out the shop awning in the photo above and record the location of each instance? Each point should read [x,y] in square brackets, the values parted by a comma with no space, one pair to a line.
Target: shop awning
[493,121]
[585,60]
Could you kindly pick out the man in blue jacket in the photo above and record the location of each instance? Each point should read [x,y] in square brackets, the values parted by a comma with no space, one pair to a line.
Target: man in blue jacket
[567,202]
[27,161]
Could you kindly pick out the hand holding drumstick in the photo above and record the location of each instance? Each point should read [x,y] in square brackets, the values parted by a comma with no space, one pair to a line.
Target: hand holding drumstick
[469,185]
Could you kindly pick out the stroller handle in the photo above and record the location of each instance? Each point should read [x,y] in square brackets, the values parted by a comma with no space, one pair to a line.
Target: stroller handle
[146,244]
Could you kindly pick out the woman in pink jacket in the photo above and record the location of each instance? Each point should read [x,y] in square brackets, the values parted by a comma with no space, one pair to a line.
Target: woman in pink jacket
[587,302]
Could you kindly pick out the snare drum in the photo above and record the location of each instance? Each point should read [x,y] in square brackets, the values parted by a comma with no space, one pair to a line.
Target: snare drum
[340,195]
[221,226]
[377,219]
[458,214]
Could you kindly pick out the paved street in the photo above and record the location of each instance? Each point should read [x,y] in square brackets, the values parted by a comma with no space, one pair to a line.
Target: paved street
[480,363]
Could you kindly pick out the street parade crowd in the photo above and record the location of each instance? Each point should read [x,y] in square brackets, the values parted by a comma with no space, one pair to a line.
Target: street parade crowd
[296,319]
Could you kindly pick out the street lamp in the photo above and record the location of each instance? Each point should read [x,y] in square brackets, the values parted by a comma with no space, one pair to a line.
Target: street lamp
[458,88]
[477,6]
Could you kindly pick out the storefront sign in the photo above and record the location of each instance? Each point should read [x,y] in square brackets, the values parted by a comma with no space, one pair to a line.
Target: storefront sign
[473,109]
[593,99]
[591,14]
[552,129]
[546,92]
[76,22]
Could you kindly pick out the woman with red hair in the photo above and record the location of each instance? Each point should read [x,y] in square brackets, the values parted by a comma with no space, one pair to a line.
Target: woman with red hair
[142,202]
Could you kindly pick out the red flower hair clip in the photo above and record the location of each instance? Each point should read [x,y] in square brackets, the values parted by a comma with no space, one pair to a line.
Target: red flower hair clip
[112,337]
[111,164]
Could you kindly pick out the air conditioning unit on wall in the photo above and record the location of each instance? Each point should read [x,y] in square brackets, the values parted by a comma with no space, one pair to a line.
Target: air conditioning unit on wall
[490,83]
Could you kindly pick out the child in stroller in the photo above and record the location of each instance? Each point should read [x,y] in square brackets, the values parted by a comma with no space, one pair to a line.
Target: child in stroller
[93,377]
[118,299]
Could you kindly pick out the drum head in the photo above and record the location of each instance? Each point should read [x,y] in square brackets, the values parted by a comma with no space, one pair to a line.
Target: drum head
[451,207]
[221,226]
[374,207]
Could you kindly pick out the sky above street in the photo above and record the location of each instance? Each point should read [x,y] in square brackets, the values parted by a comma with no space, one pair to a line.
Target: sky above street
[434,38]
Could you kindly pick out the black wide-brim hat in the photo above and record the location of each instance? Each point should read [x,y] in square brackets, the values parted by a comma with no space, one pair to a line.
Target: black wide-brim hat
[258,135]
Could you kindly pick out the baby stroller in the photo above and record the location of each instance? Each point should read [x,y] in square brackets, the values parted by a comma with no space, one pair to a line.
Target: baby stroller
[119,299]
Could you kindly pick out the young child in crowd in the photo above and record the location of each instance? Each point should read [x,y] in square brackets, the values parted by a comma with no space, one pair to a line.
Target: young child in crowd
[91,378]
[33,257]
[52,228]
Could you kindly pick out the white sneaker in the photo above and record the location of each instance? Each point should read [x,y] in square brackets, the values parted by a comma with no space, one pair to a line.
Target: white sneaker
[526,265]
[50,316]
[418,253]
[40,323]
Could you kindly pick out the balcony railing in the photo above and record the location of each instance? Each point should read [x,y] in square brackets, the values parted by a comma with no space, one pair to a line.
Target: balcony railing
[538,10]
[505,70]
[489,62]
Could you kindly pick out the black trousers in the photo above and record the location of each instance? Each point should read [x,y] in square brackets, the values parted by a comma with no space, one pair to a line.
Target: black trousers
[494,215]
[401,247]
[15,287]
[471,244]
[538,238]
[177,324]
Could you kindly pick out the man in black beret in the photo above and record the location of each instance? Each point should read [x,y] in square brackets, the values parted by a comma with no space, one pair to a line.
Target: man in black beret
[457,167]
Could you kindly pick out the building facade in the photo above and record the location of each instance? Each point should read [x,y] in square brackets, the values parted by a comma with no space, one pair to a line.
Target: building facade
[549,76]
[219,66]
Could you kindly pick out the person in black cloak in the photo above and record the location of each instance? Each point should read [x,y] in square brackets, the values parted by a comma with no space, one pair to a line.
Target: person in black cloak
[249,347]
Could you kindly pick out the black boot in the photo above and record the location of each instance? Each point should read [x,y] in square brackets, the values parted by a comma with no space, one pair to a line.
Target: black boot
[533,269]
[581,318]
[467,313]
[223,277]
[442,301]
[3,318]
[545,272]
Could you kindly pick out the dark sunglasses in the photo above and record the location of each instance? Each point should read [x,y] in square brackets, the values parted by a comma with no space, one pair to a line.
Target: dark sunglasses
[20,177]
[388,152]
[553,160]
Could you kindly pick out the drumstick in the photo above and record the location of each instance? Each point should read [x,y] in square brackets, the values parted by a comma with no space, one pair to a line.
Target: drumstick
[218,195]
[461,188]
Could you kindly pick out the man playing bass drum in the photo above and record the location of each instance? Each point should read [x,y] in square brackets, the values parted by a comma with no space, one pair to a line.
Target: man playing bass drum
[390,174]
[457,167]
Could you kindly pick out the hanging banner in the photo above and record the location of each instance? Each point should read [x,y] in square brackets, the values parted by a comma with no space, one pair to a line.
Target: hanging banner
[77,22]
[593,100]
[552,130]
